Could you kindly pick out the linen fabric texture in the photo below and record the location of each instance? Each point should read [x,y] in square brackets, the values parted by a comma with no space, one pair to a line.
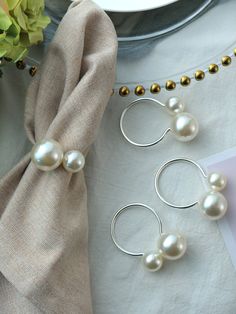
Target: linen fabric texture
[43,226]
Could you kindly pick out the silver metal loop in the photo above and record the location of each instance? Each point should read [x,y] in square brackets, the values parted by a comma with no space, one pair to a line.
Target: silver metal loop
[116,216]
[159,173]
[133,103]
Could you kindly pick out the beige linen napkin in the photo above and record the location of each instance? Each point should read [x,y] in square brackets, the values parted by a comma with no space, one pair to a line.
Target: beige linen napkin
[43,225]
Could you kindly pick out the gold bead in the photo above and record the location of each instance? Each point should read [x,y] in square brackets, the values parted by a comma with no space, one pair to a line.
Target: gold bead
[170,85]
[213,68]
[33,71]
[185,80]
[139,90]
[155,88]
[124,91]
[226,60]
[20,65]
[199,75]
[235,51]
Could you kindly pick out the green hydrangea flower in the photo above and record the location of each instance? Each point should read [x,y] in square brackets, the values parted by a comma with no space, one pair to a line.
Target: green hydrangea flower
[21,26]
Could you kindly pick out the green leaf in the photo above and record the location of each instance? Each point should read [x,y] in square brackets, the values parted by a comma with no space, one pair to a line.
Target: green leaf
[12,4]
[21,27]
[5,21]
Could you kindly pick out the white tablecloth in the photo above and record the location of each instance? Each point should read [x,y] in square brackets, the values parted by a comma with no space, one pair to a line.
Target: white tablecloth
[117,173]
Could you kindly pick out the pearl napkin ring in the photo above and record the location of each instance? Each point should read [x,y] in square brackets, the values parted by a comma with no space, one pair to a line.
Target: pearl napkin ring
[213,204]
[170,246]
[183,126]
[48,155]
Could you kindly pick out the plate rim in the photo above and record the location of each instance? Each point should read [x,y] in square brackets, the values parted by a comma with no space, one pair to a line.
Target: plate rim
[152,5]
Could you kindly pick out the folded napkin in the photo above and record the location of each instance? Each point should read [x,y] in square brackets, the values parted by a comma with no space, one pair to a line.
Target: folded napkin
[43,224]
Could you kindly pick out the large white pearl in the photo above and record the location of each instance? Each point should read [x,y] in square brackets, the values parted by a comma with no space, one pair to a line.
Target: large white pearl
[47,155]
[174,105]
[185,127]
[214,205]
[172,246]
[152,261]
[73,161]
[217,181]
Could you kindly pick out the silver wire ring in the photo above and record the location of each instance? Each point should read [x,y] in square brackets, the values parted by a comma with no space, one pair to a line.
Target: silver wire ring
[159,173]
[133,103]
[116,216]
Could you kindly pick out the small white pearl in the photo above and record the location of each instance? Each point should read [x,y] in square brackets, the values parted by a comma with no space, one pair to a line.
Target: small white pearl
[174,105]
[214,205]
[217,181]
[185,127]
[47,155]
[172,246]
[152,261]
[73,161]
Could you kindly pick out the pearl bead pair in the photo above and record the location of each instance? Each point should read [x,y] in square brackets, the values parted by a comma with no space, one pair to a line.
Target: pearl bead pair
[213,204]
[171,246]
[47,155]
[184,126]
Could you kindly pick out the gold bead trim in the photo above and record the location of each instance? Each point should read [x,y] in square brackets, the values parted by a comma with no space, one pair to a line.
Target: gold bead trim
[155,88]
[185,80]
[139,90]
[20,65]
[199,75]
[124,91]
[170,85]
[33,71]
[213,68]
[226,60]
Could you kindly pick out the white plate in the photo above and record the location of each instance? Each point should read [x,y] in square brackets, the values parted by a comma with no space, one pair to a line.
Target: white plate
[132,5]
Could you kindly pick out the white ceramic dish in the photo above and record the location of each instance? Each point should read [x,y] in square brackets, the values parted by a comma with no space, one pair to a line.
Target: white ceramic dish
[132,5]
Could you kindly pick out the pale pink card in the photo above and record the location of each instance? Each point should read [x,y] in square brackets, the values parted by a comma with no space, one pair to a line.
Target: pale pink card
[225,163]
